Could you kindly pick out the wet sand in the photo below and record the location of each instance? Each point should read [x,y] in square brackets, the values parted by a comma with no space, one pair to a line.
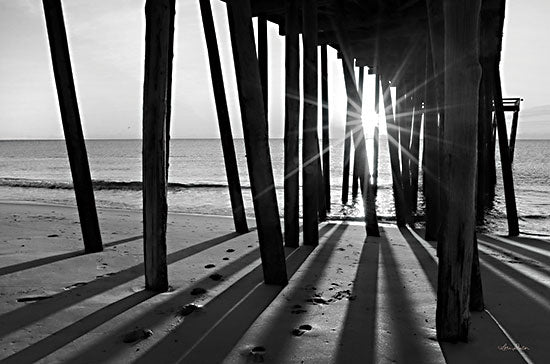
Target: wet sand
[349,300]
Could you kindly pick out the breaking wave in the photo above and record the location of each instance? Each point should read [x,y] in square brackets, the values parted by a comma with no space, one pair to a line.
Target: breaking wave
[102,185]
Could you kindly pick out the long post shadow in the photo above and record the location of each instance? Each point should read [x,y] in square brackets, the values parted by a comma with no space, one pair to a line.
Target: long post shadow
[56,258]
[535,254]
[428,264]
[515,257]
[72,332]
[400,308]
[109,344]
[230,315]
[36,311]
[310,278]
[357,342]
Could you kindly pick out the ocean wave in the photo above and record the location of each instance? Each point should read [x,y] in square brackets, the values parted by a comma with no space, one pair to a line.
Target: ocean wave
[535,217]
[105,185]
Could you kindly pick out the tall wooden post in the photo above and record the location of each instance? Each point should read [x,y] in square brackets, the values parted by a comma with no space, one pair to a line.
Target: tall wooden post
[419,95]
[263,61]
[231,169]
[325,121]
[158,15]
[346,162]
[506,164]
[169,87]
[72,128]
[292,115]
[256,142]
[513,133]
[321,205]
[462,78]
[393,146]
[430,155]
[309,149]
[376,137]
[489,48]
[356,126]
[437,41]
[355,184]
[403,113]
[415,150]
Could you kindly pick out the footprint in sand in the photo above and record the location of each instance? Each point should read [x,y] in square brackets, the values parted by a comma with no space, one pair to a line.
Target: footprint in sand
[216,277]
[301,330]
[257,354]
[198,291]
[188,309]
[137,335]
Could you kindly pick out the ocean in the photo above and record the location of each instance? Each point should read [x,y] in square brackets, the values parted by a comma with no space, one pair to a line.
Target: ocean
[38,171]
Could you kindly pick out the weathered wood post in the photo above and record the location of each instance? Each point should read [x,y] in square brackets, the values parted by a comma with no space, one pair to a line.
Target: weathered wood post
[256,142]
[356,159]
[430,154]
[169,87]
[263,61]
[403,113]
[356,127]
[419,95]
[506,164]
[72,128]
[376,137]
[292,115]
[437,41]
[345,168]
[462,78]
[325,122]
[513,133]
[415,151]
[228,147]
[489,48]
[393,146]
[484,138]
[309,139]
[158,14]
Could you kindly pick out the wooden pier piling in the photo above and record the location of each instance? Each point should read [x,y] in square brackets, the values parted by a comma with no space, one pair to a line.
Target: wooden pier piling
[72,126]
[393,146]
[158,20]
[228,147]
[505,160]
[455,247]
[376,136]
[431,152]
[263,62]
[356,158]
[256,142]
[325,123]
[310,142]
[292,115]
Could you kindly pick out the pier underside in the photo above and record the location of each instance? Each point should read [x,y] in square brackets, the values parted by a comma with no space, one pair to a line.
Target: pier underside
[349,300]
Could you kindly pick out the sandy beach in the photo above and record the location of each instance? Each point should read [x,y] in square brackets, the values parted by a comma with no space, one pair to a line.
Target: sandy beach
[348,300]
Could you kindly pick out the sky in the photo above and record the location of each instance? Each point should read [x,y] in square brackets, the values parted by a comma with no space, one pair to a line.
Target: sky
[106,41]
